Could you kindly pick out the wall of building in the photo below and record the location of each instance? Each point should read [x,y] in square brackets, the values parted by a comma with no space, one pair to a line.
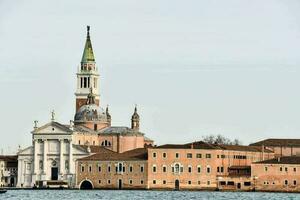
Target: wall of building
[97,172]
[212,163]
[276,177]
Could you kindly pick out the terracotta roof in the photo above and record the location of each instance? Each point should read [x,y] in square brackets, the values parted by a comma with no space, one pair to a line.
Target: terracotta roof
[281,160]
[277,142]
[244,148]
[94,149]
[107,155]
[204,145]
[194,145]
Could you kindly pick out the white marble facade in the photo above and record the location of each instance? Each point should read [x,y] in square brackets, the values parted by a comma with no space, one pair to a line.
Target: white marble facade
[51,157]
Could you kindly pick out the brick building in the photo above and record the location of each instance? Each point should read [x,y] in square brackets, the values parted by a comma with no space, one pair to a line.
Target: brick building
[281,147]
[109,169]
[280,174]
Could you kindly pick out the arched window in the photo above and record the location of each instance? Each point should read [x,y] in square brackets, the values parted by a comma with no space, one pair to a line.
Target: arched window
[177,168]
[106,143]
[208,169]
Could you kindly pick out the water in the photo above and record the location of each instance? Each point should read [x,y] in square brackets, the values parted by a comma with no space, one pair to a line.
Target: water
[141,194]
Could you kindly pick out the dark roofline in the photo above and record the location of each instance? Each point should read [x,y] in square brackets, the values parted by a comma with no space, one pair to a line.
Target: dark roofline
[281,160]
[277,142]
[204,145]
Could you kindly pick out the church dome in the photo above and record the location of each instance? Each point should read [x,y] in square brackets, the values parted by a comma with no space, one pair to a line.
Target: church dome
[90,112]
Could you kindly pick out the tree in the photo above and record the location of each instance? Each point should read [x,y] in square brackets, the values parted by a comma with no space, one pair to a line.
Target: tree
[220,139]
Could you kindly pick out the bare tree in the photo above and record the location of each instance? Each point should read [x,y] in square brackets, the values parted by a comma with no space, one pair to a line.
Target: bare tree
[220,139]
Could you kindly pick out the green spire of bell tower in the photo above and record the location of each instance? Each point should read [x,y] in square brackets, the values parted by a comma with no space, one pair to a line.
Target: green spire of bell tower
[88,54]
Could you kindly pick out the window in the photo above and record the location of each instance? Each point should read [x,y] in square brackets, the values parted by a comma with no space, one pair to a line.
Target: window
[286,169]
[99,181]
[222,156]
[286,182]
[84,82]
[189,155]
[247,183]
[295,169]
[95,128]
[222,182]
[199,182]
[120,168]
[280,169]
[295,182]
[154,168]
[176,168]
[164,155]
[208,169]
[109,168]
[190,169]
[208,155]
[142,168]
[189,182]
[142,182]
[130,168]
[90,168]
[198,169]
[99,168]
[198,155]
[79,142]
[154,155]
[164,168]
[266,169]
[154,182]
[82,168]
[108,181]
[164,182]
[177,155]
[106,143]
[208,182]
[230,183]
[130,181]
[41,164]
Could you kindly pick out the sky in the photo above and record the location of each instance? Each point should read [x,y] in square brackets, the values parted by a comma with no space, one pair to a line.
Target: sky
[194,68]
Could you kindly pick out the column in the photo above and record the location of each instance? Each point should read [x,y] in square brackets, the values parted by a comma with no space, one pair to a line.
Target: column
[71,167]
[45,157]
[61,158]
[35,158]
[20,172]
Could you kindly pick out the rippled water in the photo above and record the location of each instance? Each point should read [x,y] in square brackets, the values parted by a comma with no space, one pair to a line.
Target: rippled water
[132,194]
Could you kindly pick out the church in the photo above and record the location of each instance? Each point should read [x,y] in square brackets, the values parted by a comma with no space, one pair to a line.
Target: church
[50,160]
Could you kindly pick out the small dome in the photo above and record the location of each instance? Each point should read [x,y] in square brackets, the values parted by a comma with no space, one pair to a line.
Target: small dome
[90,112]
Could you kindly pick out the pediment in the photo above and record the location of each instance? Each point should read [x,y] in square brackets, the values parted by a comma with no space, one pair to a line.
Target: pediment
[26,151]
[52,128]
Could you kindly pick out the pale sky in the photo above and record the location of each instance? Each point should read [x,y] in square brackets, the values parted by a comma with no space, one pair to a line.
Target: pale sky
[193,67]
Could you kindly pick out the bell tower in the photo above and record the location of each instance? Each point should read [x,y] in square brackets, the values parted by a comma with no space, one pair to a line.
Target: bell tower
[87,75]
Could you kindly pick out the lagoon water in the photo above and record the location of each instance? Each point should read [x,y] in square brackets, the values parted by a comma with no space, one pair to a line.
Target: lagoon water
[132,194]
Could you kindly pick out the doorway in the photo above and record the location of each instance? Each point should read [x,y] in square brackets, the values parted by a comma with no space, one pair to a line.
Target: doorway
[54,173]
[120,184]
[86,185]
[176,184]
